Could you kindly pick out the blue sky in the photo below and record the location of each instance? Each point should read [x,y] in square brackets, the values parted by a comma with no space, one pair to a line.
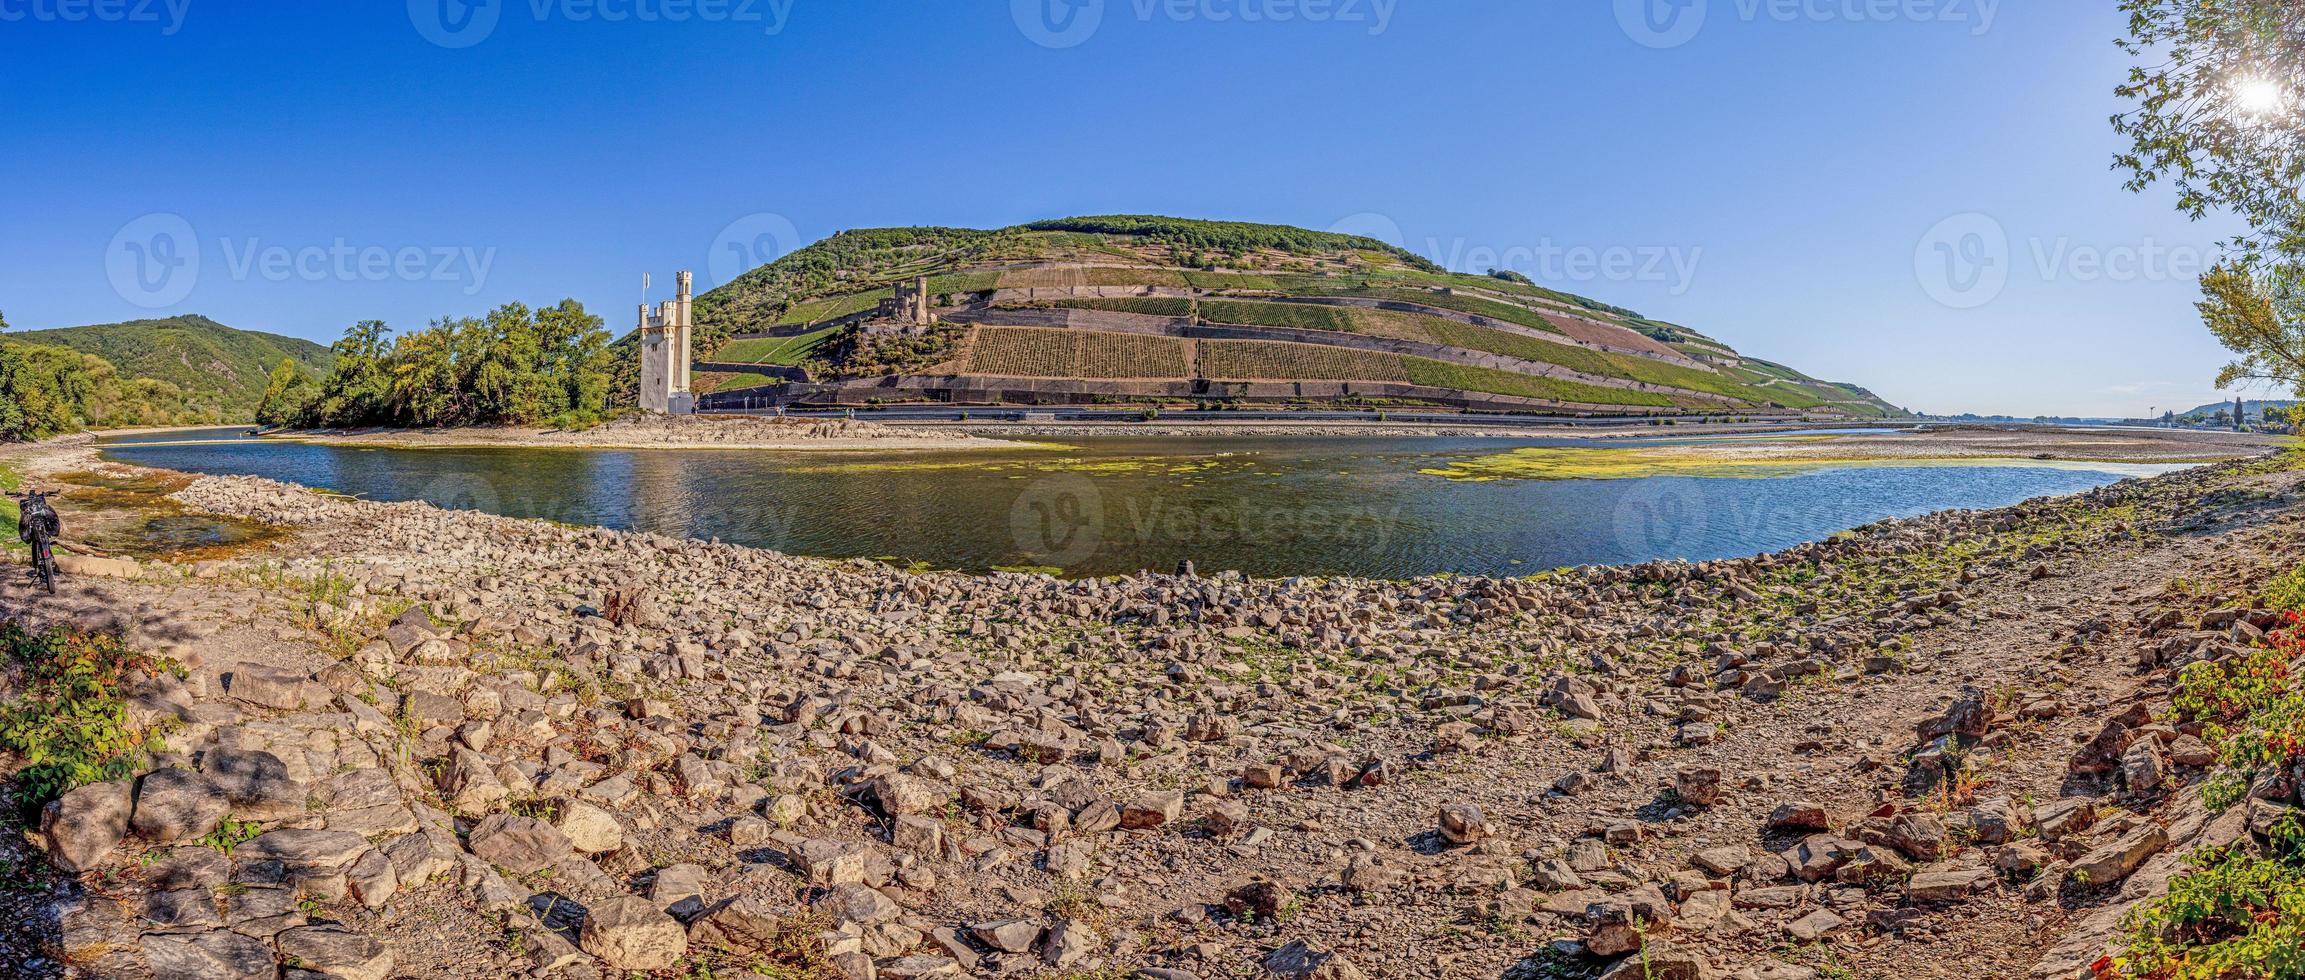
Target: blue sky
[1915,196]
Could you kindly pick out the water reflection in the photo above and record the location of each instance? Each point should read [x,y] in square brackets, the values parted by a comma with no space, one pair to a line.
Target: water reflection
[1265,506]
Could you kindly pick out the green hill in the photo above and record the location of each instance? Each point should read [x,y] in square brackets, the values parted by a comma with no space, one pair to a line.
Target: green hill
[212,363]
[1148,310]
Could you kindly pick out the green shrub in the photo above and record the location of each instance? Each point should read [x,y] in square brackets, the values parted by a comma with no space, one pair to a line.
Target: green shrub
[70,724]
[2236,915]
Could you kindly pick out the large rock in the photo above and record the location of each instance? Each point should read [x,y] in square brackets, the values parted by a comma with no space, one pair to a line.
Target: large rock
[218,955]
[900,794]
[590,829]
[2110,864]
[1463,823]
[521,845]
[1151,810]
[328,850]
[1299,961]
[271,687]
[177,804]
[258,785]
[1660,961]
[333,951]
[631,934]
[83,826]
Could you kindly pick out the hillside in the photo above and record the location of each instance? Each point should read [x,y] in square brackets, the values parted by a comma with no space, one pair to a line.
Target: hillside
[1149,310]
[213,364]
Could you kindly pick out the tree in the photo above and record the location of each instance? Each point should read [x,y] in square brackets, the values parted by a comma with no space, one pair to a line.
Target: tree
[2219,89]
[2219,93]
[287,395]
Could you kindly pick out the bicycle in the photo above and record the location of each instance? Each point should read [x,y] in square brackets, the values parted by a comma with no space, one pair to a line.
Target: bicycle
[37,525]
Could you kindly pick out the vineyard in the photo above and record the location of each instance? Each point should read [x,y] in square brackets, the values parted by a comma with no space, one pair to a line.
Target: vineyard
[782,351]
[1175,307]
[1271,284]
[1442,374]
[1249,360]
[1023,352]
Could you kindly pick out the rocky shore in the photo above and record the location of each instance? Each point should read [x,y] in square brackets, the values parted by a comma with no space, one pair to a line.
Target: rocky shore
[417,743]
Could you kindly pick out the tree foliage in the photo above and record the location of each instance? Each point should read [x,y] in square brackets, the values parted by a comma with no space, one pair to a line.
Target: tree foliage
[2219,113]
[514,366]
[2219,93]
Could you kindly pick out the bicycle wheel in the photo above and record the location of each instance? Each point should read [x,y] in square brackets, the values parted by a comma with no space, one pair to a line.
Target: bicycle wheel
[44,564]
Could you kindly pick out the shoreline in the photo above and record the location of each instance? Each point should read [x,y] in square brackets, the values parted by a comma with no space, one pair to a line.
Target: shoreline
[905,755]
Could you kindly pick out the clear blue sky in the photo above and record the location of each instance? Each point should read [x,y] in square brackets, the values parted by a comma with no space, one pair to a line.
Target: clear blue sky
[1779,180]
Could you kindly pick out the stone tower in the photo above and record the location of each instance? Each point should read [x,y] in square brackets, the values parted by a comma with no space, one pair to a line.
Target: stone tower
[664,354]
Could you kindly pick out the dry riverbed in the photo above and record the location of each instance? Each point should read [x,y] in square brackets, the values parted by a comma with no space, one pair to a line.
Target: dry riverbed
[436,744]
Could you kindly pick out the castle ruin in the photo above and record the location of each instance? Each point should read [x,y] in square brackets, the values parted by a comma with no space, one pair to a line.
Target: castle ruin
[664,354]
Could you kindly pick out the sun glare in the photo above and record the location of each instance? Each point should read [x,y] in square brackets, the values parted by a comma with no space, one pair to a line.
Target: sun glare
[2259,97]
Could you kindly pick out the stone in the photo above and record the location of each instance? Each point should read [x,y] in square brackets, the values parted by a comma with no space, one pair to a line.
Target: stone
[920,968]
[1947,886]
[372,879]
[2115,862]
[2141,769]
[900,794]
[2187,750]
[83,826]
[521,845]
[1150,810]
[1008,935]
[177,804]
[743,924]
[324,850]
[1724,861]
[1815,926]
[1700,787]
[826,862]
[679,889]
[589,829]
[861,904]
[1300,961]
[1799,816]
[1069,942]
[921,835]
[257,783]
[218,955]
[271,687]
[1660,961]
[629,933]
[333,951]
[469,784]
[1463,823]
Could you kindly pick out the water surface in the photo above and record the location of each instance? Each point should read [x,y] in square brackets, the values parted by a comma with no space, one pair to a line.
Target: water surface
[1266,506]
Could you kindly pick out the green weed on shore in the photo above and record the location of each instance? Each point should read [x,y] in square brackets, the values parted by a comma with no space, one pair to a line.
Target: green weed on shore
[2240,911]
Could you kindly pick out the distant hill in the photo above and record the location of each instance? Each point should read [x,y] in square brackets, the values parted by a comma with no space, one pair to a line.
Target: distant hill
[211,362]
[1149,310]
[2253,407]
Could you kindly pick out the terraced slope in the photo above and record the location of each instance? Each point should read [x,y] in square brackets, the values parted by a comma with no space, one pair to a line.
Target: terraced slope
[1149,310]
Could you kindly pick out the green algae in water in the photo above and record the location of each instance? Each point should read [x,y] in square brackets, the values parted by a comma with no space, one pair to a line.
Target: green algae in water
[1641,462]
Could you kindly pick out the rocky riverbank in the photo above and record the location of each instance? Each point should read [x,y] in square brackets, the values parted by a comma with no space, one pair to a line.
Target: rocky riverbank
[419,743]
[666,432]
